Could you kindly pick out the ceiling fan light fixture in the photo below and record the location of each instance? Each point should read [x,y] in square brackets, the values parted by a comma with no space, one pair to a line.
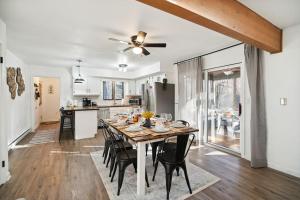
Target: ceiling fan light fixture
[137,50]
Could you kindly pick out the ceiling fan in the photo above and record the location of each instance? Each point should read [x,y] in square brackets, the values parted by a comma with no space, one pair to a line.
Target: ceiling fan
[138,45]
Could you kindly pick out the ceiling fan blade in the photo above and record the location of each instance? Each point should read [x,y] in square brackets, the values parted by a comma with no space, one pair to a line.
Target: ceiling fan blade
[128,48]
[145,51]
[121,41]
[155,45]
[133,39]
[141,37]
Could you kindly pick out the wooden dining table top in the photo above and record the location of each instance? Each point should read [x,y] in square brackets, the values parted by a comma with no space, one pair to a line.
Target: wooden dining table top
[147,134]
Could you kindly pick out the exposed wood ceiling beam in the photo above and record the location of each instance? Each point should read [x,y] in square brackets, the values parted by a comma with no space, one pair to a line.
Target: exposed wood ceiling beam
[228,17]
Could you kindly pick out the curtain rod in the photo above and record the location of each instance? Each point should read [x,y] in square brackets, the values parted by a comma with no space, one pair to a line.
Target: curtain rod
[210,53]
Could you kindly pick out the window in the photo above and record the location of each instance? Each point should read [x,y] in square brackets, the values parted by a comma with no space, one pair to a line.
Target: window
[107,90]
[119,90]
[113,90]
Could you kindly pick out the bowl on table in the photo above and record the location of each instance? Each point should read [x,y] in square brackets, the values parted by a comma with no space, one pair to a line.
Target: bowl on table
[177,125]
[134,128]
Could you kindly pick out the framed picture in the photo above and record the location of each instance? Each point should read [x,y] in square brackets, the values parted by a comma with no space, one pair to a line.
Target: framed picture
[50,89]
[107,90]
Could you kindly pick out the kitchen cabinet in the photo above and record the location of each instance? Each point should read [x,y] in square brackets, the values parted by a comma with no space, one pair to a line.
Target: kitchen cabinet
[90,87]
[117,110]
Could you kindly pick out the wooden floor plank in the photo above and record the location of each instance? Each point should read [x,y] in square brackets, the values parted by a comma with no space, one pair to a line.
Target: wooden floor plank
[63,171]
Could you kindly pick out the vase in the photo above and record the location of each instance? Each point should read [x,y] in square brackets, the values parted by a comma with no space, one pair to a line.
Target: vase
[147,123]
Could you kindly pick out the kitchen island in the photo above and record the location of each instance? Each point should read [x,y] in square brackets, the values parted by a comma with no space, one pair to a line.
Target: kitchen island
[86,121]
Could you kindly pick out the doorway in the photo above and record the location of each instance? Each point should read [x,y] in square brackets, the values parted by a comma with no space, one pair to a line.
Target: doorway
[46,100]
[223,113]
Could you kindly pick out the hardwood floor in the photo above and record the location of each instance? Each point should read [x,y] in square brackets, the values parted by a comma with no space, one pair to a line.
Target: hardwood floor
[66,171]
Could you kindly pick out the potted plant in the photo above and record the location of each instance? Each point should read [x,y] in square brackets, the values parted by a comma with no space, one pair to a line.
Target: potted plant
[147,115]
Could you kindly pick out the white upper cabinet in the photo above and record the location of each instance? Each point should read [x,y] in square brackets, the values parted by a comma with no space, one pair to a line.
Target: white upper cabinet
[94,86]
[90,87]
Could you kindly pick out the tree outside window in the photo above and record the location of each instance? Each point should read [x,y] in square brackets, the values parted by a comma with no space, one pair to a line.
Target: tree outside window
[113,90]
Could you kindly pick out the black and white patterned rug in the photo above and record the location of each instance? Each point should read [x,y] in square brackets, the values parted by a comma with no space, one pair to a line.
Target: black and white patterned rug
[199,180]
[43,136]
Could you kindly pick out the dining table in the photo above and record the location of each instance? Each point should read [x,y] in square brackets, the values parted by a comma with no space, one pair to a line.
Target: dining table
[143,137]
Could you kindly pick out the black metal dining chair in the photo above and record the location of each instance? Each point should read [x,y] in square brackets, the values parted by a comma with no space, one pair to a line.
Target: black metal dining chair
[66,121]
[107,140]
[124,158]
[156,145]
[173,159]
[114,150]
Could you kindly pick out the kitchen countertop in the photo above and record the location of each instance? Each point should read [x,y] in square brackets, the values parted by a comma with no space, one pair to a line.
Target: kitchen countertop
[80,108]
[115,106]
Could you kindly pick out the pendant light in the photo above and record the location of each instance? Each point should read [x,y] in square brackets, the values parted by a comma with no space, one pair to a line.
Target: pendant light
[79,79]
[123,67]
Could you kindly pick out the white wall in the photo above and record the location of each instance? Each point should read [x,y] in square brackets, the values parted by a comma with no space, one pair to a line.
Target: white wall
[282,74]
[50,101]
[17,111]
[4,173]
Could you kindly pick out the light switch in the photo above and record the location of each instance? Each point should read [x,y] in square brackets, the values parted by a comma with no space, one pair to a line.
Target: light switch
[283,101]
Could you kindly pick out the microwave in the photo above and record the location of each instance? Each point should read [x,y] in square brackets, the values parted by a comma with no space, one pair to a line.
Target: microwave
[135,101]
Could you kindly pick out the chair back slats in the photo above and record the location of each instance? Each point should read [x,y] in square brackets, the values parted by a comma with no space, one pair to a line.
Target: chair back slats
[181,147]
[115,142]
[187,124]
[65,113]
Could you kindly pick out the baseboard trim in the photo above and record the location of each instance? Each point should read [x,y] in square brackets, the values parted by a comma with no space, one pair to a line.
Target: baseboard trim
[283,170]
[4,180]
[11,145]
[217,147]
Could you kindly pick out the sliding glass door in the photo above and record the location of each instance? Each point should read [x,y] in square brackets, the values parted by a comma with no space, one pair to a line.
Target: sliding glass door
[223,88]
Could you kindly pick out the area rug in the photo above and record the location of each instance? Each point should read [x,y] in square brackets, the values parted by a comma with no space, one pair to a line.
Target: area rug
[199,180]
[42,137]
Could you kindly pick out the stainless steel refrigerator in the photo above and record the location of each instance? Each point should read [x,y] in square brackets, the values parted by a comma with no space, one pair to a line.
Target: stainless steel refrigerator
[159,98]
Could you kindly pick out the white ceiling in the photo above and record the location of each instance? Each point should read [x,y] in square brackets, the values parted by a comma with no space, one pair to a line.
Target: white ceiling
[282,13]
[57,32]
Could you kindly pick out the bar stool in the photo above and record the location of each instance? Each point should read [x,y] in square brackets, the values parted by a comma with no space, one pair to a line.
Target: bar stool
[66,121]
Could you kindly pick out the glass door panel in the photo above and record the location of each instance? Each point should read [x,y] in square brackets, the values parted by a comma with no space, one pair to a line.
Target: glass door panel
[223,111]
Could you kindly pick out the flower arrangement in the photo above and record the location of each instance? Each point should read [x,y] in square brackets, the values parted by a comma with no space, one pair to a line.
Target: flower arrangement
[147,114]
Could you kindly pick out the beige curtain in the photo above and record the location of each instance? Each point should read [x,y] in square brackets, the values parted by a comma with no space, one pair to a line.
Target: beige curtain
[258,122]
[189,88]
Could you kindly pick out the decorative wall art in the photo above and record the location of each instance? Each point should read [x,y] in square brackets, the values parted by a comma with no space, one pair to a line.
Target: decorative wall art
[20,82]
[50,89]
[36,91]
[11,81]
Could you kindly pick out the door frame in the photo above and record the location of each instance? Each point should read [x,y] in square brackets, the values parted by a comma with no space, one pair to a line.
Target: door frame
[242,101]
[32,97]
